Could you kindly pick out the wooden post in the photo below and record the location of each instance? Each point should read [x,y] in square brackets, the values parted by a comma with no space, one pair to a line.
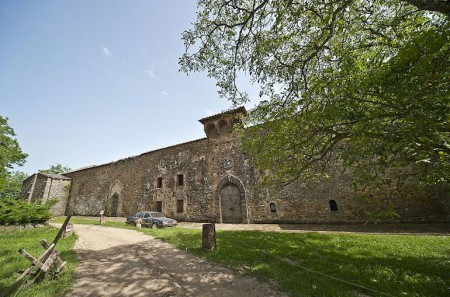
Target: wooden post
[62,230]
[209,237]
[42,264]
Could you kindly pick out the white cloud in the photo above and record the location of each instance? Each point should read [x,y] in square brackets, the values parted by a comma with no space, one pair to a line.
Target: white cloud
[164,93]
[150,72]
[106,52]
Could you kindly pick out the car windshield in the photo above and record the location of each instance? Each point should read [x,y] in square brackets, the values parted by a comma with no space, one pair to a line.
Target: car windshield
[157,215]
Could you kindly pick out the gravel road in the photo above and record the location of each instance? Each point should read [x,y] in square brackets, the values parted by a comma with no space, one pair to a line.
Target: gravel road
[120,262]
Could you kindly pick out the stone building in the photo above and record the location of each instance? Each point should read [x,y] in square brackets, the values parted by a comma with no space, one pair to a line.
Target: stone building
[45,186]
[210,179]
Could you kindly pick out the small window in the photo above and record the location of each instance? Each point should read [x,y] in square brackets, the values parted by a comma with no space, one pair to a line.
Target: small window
[140,215]
[159,182]
[333,205]
[147,215]
[222,124]
[159,206]
[180,179]
[180,206]
[273,207]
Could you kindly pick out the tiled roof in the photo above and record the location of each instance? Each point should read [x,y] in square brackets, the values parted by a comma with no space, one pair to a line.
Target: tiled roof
[133,157]
[229,112]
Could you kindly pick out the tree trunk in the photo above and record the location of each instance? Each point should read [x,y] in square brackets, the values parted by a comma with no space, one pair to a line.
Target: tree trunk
[209,237]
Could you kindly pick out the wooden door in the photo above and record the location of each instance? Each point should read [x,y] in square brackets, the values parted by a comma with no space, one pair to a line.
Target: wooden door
[114,205]
[231,204]
[159,206]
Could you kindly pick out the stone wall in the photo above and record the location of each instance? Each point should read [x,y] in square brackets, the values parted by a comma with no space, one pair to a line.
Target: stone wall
[207,165]
[41,186]
[59,189]
[27,187]
[34,187]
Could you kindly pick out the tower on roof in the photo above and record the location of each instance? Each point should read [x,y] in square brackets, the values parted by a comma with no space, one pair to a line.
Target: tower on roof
[223,123]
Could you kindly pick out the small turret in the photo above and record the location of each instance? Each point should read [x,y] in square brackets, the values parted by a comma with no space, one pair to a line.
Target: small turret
[223,123]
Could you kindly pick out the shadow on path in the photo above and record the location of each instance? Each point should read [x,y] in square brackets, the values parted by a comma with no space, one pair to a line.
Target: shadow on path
[149,267]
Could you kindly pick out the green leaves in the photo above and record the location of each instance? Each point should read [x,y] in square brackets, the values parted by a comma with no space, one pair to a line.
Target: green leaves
[358,85]
[11,185]
[10,152]
[21,212]
[56,169]
[10,155]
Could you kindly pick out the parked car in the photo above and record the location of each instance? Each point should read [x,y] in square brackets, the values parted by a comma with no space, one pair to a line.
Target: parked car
[151,219]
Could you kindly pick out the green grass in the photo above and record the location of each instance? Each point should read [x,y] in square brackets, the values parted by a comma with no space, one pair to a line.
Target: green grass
[86,221]
[10,260]
[397,265]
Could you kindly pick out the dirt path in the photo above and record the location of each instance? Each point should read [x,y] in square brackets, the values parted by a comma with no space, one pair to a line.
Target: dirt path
[119,262]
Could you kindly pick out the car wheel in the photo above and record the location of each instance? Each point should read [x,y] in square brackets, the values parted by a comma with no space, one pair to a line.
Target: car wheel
[154,226]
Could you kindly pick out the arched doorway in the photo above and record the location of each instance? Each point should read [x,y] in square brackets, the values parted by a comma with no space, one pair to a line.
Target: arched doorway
[114,205]
[231,204]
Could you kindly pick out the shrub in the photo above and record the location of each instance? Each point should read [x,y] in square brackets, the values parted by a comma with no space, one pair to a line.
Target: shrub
[14,212]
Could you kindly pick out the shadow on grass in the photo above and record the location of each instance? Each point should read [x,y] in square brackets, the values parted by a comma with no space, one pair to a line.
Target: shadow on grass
[395,265]
[11,261]
[381,228]
[6,257]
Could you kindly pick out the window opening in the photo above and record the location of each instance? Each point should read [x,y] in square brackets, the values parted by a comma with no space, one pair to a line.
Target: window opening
[273,207]
[159,182]
[333,205]
[180,179]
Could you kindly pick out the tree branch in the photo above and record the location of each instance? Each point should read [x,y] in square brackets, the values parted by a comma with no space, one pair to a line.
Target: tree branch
[441,6]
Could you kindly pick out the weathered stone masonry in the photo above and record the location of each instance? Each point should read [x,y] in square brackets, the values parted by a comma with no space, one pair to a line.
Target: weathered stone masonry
[211,180]
[46,186]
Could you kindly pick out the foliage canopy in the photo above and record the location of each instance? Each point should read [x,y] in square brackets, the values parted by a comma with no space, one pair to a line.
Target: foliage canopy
[21,212]
[10,155]
[56,169]
[363,83]
[13,185]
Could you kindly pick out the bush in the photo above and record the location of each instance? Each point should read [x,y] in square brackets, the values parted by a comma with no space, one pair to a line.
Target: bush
[14,212]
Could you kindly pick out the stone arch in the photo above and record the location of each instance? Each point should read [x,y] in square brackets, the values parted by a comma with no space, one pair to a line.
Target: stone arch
[211,129]
[234,182]
[223,124]
[114,197]
[333,205]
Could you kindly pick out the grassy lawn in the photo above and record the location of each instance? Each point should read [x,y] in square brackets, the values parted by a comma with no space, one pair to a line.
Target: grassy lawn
[396,265]
[10,260]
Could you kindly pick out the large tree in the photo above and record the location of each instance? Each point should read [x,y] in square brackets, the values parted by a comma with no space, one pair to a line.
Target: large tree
[10,155]
[362,83]
[12,185]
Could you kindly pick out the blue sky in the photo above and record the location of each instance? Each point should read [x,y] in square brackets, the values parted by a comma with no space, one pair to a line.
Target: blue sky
[89,82]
